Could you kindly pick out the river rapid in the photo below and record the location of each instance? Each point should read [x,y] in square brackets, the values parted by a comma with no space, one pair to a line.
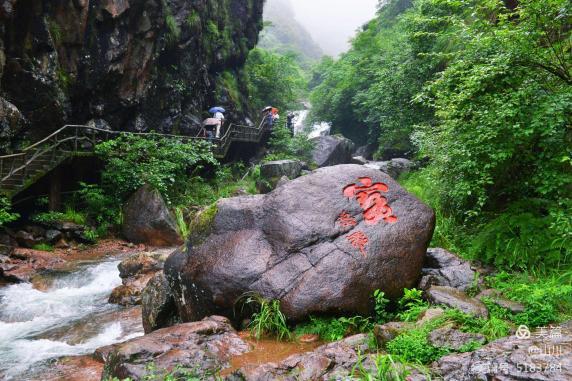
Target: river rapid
[70,316]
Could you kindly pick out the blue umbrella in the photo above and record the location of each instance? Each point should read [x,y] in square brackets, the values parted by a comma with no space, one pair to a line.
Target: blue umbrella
[214,110]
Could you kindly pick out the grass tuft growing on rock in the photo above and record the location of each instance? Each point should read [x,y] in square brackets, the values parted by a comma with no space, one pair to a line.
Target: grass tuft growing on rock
[268,320]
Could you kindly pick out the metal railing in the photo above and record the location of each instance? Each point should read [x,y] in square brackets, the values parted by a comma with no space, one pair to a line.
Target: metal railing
[73,140]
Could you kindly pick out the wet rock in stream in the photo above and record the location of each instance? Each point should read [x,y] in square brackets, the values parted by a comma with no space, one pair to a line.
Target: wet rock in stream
[136,271]
[206,345]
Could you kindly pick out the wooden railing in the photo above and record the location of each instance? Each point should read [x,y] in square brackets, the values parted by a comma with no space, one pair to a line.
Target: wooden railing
[18,170]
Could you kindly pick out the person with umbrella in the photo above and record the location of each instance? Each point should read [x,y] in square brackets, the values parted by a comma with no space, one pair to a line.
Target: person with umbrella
[218,114]
[270,115]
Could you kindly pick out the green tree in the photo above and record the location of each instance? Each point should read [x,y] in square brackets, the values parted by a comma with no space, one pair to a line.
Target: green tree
[275,80]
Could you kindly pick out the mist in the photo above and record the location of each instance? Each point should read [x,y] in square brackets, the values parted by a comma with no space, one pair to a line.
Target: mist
[332,23]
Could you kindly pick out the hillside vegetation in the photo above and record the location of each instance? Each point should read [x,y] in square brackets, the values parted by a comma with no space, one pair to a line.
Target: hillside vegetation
[481,92]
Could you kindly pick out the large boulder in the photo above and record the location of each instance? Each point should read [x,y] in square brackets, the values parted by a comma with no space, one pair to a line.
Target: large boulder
[279,168]
[146,219]
[442,268]
[310,244]
[332,150]
[272,172]
[393,167]
[204,346]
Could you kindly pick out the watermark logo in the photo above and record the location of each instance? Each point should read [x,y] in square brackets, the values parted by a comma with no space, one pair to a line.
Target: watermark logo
[523,332]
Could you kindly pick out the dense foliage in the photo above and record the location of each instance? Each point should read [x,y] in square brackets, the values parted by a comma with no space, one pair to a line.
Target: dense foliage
[6,215]
[483,91]
[274,79]
[284,146]
[166,164]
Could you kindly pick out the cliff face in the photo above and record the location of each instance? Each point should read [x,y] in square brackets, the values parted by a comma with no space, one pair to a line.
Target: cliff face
[140,65]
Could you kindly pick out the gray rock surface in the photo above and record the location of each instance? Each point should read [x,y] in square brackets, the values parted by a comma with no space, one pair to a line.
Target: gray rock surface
[384,333]
[332,150]
[451,297]
[206,345]
[442,268]
[293,245]
[135,272]
[536,358]
[159,308]
[146,219]
[273,173]
[447,337]
[496,297]
[393,167]
[277,169]
[360,160]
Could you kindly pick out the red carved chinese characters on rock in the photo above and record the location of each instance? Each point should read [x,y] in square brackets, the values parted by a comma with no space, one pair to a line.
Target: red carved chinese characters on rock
[359,240]
[373,203]
[346,220]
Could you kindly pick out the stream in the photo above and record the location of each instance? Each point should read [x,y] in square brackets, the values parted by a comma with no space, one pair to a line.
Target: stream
[314,131]
[70,316]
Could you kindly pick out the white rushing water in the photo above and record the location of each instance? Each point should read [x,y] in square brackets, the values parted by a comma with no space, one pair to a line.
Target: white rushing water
[28,315]
[317,129]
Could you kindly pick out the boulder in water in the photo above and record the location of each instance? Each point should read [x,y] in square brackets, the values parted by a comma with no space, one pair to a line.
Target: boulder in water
[321,243]
[204,346]
[159,308]
[332,150]
[136,271]
[146,219]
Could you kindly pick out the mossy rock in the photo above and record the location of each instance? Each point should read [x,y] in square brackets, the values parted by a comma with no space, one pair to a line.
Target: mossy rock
[202,223]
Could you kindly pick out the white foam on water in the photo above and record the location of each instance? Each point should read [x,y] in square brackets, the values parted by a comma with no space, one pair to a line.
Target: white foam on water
[316,130]
[26,312]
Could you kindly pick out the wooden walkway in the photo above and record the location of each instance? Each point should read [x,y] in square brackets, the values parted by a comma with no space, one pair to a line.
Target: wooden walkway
[20,170]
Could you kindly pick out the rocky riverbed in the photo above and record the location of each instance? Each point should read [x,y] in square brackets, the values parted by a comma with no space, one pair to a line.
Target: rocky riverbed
[59,307]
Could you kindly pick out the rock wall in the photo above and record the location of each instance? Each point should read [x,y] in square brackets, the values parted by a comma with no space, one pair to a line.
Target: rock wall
[140,65]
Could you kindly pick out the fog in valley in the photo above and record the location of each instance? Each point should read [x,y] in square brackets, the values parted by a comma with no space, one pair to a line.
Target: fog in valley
[333,22]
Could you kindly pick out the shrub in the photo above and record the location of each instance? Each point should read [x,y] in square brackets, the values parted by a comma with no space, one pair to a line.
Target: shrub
[70,215]
[411,304]
[166,164]
[546,297]
[526,235]
[333,329]
[284,146]
[414,346]
[381,303]
[99,207]
[5,214]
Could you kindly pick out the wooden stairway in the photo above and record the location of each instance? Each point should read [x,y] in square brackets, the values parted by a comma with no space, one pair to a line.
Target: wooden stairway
[20,170]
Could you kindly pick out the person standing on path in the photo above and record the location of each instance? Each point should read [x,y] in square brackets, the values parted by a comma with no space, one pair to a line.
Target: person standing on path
[220,117]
